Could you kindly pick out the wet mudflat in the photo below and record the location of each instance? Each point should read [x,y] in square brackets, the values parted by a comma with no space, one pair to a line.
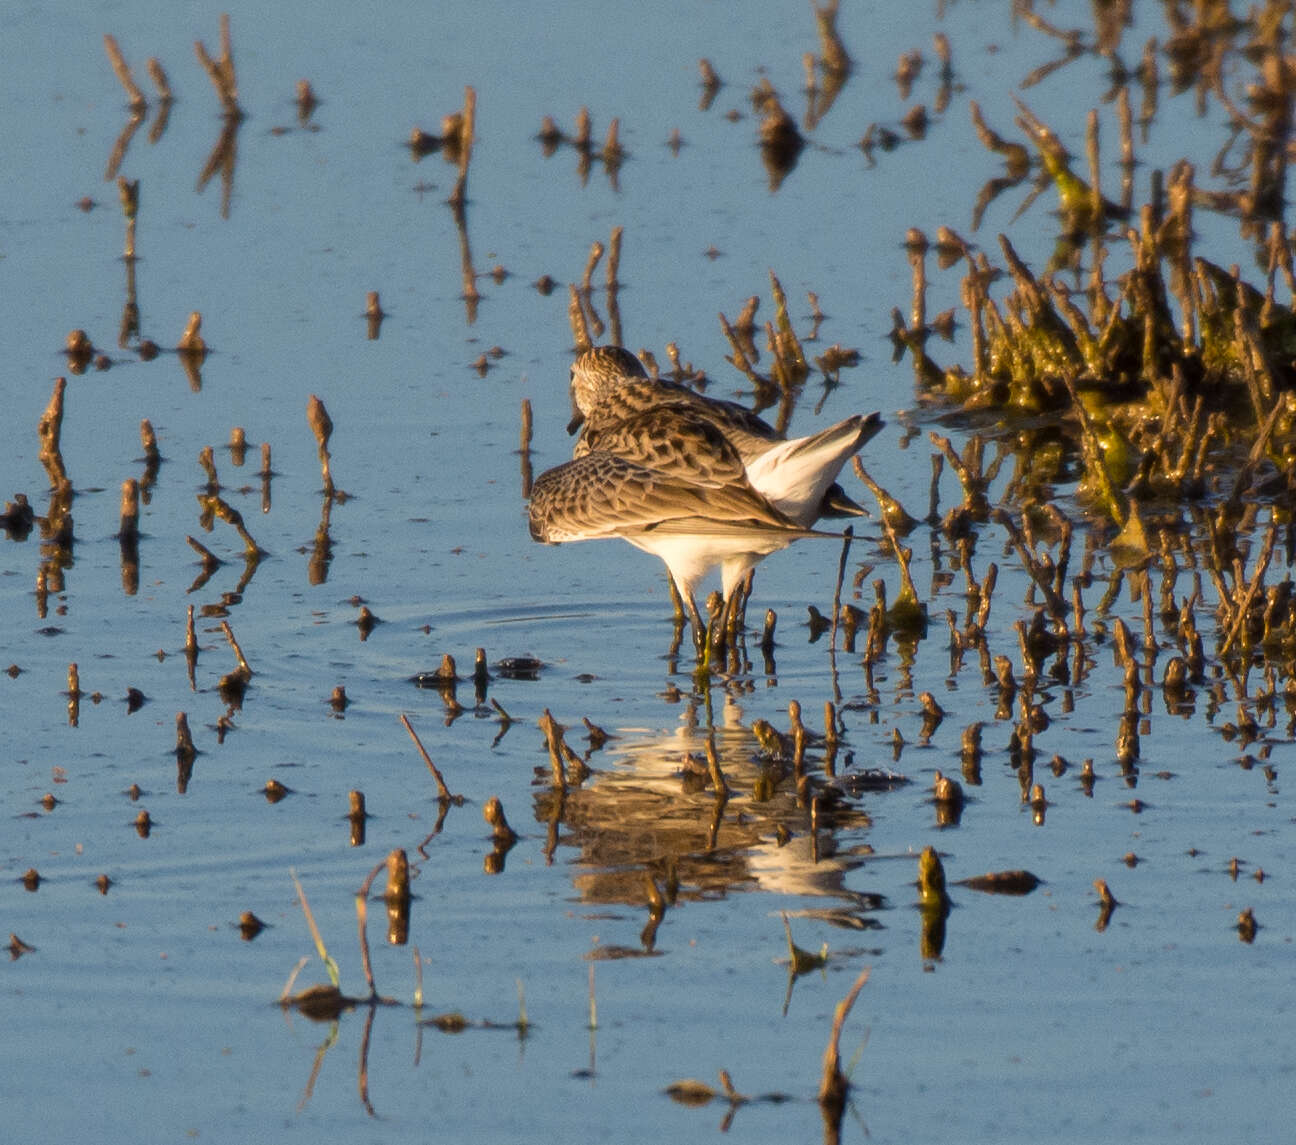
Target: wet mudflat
[138,1006]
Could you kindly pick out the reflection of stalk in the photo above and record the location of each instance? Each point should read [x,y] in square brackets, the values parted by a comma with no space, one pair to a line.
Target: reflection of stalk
[128,536]
[130,320]
[191,646]
[185,753]
[525,448]
[265,473]
[223,158]
[362,1079]
[157,73]
[322,549]
[847,536]
[418,981]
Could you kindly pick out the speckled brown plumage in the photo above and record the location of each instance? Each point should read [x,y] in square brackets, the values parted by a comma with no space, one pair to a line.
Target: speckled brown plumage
[608,385]
[603,495]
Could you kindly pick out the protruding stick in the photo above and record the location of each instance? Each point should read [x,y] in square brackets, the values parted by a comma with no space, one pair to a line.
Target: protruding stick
[322,426]
[244,667]
[123,73]
[443,792]
[834,1086]
[191,341]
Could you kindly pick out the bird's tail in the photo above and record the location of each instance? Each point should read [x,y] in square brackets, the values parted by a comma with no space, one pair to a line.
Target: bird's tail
[795,475]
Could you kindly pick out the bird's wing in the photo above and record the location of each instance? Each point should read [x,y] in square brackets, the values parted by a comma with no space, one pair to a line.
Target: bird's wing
[635,395]
[604,495]
[671,442]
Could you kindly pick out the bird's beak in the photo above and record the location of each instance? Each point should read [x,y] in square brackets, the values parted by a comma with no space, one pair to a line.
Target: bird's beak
[578,417]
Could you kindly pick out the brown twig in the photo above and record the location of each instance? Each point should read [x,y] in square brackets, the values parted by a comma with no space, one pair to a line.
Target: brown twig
[221,71]
[834,1086]
[443,792]
[238,652]
[362,919]
[123,73]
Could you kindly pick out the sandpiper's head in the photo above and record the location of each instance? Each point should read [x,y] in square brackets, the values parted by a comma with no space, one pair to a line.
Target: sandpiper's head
[594,372]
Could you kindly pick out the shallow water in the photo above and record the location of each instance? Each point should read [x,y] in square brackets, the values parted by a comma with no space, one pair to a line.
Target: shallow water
[141,1012]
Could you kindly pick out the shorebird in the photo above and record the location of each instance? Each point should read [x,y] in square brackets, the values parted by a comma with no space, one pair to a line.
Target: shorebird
[691,526]
[794,476]
[665,475]
[609,384]
[610,388]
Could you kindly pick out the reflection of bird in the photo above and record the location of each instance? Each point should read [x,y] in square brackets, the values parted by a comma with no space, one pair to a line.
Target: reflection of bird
[649,803]
[696,482]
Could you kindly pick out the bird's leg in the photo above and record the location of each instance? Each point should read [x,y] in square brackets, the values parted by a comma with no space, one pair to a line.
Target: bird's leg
[736,608]
[677,636]
[677,632]
[686,608]
[677,601]
[747,581]
[730,642]
[699,629]
[716,633]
